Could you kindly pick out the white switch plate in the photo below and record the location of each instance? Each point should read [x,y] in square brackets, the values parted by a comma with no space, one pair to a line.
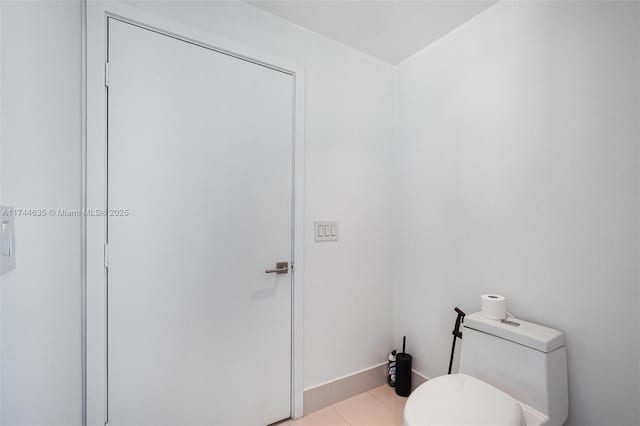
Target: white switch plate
[7,240]
[325,230]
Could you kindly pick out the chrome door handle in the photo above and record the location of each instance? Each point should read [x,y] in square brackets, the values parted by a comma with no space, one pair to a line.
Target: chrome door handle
[281,268]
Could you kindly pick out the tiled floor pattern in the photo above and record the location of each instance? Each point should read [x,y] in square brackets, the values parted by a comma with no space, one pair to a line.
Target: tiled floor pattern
[377,407]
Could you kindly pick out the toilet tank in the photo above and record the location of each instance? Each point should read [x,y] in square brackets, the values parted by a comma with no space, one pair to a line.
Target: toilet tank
[526,360]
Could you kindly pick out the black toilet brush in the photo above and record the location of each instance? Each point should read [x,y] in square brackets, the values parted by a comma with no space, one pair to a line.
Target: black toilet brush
[403,371]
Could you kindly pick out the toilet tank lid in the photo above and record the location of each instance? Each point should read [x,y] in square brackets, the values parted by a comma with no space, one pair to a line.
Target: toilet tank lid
[532,335]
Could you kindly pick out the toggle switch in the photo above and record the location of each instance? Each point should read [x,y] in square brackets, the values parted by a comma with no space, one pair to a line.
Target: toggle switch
[7,240]
[325,230]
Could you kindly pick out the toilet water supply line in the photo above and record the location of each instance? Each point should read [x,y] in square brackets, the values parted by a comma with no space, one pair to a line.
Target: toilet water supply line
[457,334]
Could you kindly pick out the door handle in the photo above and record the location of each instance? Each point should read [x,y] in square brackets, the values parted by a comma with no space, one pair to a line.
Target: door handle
[281,268]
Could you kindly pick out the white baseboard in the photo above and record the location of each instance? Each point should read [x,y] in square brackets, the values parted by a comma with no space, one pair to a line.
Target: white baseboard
[344,387]
[328,393]
[417,379]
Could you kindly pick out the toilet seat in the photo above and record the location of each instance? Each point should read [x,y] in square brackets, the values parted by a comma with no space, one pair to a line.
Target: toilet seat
[458,399]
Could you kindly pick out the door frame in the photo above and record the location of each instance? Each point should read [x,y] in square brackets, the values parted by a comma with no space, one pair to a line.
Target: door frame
[94,194]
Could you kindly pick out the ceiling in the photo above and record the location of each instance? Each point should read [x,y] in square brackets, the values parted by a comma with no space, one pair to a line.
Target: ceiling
[391,30]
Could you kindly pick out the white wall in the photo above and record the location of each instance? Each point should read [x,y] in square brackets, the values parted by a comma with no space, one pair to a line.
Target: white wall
[348,109]
[1,198]
[519,174]
[40,153]
[514,170]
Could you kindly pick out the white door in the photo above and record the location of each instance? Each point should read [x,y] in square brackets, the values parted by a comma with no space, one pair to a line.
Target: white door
[200,153]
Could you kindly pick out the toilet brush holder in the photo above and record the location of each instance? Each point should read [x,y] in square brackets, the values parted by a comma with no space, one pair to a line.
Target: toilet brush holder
[403,371]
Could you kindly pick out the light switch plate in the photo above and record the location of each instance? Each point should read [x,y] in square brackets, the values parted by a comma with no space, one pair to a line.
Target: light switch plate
[325,230]
[7,240]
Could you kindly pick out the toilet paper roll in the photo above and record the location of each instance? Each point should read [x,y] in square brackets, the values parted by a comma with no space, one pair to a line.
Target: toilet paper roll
[493,306]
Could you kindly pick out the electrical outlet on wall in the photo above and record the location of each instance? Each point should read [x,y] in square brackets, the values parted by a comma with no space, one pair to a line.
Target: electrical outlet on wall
[325,230]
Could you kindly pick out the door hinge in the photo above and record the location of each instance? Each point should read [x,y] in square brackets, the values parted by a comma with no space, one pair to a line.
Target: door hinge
[106,256]
[106,74]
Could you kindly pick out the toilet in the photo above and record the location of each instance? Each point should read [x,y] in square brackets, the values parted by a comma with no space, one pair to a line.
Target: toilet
[512,373]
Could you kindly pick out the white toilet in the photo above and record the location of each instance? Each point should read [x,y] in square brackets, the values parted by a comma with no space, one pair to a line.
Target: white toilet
[512,373]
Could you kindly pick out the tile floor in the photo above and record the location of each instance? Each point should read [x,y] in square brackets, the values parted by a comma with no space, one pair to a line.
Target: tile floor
[377,407]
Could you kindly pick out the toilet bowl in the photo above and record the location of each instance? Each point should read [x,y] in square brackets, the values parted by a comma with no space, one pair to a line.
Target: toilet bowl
[458,399]
[512,373]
